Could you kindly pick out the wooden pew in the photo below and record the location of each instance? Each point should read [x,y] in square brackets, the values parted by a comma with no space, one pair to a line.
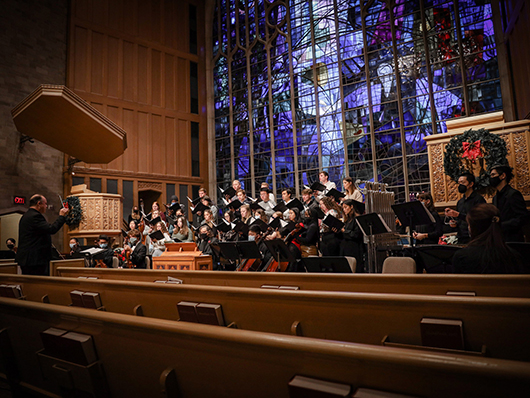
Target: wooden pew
[138,356]
[8,268]
[482,285]
[70,263]
[499,324]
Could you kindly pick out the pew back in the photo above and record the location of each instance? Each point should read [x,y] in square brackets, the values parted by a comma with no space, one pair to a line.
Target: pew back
[213,361]
[71,263]
[481,285]
[8,268]
[500,324]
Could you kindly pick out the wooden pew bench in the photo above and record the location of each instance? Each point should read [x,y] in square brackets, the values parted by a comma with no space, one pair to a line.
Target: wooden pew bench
[481,285]
[8,268]
[499,324]
[140,356]
[70,263]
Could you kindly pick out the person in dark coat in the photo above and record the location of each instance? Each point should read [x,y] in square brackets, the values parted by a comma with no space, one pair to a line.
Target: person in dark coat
[429,234]
[34,237]
[352,244]
[137,250]
[510,203]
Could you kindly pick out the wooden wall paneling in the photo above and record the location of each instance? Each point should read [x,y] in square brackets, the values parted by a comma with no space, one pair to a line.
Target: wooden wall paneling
[169,81]
[144,141]
[145,27]
[100,12]
[130,20]
[98,58]
[157,22]
[143,75]
[81,9]
[80,59]
[183,91]
[183,26]
[115,114]
[116,15]
[171,145]
[156,78]
[158,160]
[184,149]
[170,27]
[114,55]
[129,73]
[130,125]
[103,109]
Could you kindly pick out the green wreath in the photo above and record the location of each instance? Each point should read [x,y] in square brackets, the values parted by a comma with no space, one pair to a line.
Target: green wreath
[74,216]
[491,147]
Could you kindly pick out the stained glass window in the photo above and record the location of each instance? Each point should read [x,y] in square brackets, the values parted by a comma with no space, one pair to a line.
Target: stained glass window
[347,86]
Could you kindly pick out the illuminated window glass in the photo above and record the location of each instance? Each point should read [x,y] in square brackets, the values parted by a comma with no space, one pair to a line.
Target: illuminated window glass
[347,86]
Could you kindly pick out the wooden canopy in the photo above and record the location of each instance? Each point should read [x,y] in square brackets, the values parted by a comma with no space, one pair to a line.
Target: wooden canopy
[58,117]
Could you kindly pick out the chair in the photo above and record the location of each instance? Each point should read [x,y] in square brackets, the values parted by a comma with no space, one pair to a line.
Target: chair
[436,259]
[147,262]
[399,265]
[115,262]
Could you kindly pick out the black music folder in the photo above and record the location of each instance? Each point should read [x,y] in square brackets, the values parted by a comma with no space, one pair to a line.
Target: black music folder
[413,213]
[259,222]
[337,195]
[295,203]
[223,226]
[194,201]
[230,192]
[200,207]
[333,222]
[317,186]
[256,206]
[157,235]
[277,223]
[280,207]
[234,205]
[372,224]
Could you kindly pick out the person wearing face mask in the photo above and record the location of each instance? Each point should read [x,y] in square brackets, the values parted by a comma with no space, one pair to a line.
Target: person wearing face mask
[510,203]
[469,199]
[11,245]
[108,254]
[206,239]
[429,234]
[137,251]
[74,249]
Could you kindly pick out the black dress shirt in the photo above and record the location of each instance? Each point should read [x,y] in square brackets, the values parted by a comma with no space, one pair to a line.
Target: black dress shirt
[514,215]
[463,206]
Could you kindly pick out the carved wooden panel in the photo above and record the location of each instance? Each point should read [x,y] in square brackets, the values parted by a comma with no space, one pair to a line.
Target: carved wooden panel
[101,214]
[149,185]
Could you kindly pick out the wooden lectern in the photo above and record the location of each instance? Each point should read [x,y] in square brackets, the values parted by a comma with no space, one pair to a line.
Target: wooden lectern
[182,257]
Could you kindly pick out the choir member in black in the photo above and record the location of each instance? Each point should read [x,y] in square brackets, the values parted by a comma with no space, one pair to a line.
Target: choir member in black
[310,237]
[136,250]
[330,239]
[108,254]
[510,203]
[208,220]
[242,197]
[429,234]
[293,215]
[352,244]
[308,200]
[135,215]
[295,251]
[486,253]
[256,234]
[231,235]
[470,198]
[205,241]
[11,245]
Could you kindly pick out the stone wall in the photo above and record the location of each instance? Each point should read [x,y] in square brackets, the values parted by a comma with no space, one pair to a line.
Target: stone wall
[33,47]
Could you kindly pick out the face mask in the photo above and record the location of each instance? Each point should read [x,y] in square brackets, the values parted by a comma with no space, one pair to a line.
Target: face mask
[136,211]
[11,246]
[495,181]
[251,238]
[103,245]
[462,188]
[72,245]
[203,236]
[133,241]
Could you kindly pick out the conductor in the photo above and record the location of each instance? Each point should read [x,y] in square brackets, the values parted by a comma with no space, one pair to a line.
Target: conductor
[34,237]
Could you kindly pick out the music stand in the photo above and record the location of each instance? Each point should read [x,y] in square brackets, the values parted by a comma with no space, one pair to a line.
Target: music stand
[279,250]
[229,251]
[372,224]
[248,249]
[437,259]
[411,214]
[337,265]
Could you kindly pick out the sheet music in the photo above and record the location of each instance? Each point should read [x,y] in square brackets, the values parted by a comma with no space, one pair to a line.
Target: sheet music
[93,251]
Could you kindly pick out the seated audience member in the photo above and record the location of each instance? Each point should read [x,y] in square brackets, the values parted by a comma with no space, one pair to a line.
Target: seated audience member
[429,234]
[182,232]
[11,245]
[136,249]
[205,241]
[486,253]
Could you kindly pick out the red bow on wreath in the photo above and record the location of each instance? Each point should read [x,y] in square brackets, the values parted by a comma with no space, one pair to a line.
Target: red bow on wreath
[471,150]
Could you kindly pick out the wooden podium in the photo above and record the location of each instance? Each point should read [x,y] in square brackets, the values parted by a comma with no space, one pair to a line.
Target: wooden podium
[182,257]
